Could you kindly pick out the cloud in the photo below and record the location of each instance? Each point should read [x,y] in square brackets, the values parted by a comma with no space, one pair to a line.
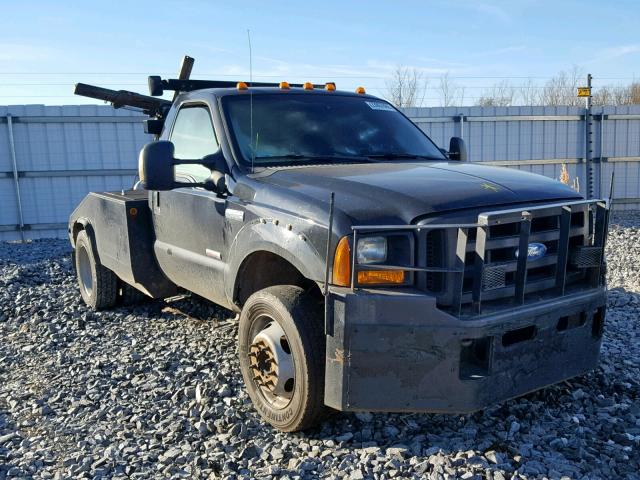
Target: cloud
[620,51]
[492,10]
[21,52]
[613,53]
[501,51]
[268,67]
[387,68]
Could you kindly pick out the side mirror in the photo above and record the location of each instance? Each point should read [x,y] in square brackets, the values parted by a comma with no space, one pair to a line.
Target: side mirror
[156,168]
[457,149]
[156,89]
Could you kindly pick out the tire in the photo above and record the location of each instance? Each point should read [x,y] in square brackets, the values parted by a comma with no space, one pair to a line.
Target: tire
[98,285]
[129,295]
[288,407]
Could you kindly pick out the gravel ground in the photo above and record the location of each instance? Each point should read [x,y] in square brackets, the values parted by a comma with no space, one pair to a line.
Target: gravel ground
[155,391]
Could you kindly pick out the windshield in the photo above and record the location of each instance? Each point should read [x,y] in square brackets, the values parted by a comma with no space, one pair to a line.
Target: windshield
[299,128]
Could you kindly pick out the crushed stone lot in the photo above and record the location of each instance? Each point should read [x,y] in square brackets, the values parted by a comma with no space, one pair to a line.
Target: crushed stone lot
[155,391]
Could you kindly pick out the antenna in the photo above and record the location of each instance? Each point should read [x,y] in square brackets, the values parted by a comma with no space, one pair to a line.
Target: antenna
[254,145]
[611,189]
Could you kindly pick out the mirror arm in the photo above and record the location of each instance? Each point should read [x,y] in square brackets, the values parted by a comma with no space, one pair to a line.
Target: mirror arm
[213,164]
[215,183]
[187,184]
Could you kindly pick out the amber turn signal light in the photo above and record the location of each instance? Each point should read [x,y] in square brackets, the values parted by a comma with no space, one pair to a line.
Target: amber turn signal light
[380,277]
[342,263]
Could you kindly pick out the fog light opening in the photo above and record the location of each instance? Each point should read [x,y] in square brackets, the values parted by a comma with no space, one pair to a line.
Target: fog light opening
[475,358]
[518,335]
[571,321]
[563,324]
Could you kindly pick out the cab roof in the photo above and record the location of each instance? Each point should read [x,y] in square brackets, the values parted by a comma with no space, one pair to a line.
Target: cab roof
[224,92]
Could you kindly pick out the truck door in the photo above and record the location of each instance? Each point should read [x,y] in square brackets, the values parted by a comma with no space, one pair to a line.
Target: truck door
[189,221]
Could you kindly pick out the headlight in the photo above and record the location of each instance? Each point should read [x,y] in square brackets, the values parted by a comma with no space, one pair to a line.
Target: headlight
[395,249]
[372,250]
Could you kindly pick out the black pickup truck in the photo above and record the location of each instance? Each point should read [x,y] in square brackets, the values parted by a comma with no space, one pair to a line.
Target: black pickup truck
[372,270]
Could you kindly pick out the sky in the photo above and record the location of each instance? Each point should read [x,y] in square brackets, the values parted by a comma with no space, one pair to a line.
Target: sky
[47,46]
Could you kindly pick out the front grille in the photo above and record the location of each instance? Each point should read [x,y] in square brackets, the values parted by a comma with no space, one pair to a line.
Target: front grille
[493,276]
[585,257]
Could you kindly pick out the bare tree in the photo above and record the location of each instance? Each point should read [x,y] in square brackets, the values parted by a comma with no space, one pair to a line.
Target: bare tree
[634,93]
[620,95]
[500,95]
[406,88]
[450,92]
[529,94]
[561,89]
[604,96]
[617,95]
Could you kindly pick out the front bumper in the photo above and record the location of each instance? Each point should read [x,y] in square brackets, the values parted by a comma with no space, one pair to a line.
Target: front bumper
[395,351]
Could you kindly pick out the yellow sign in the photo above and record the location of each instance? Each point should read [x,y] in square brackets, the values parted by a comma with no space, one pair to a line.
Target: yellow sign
[584,92]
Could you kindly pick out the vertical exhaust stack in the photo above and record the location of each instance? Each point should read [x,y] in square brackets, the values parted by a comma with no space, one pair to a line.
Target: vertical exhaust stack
[185,72]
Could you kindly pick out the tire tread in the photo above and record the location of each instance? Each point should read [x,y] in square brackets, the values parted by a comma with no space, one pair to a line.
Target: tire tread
[105,289]
[307,320]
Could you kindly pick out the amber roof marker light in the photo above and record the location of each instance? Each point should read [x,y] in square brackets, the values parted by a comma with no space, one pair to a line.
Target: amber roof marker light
[284,85]
[360,91]
[308,86]
[330,87]
[241,86]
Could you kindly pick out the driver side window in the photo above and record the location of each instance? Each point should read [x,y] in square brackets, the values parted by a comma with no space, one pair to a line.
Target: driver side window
[193,137]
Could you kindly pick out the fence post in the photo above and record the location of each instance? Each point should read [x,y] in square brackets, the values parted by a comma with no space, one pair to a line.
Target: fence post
[588,142]
[12,149]
[601,157]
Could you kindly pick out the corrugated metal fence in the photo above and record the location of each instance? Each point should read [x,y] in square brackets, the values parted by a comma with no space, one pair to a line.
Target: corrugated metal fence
[50,157]
[543,139]
[54,156]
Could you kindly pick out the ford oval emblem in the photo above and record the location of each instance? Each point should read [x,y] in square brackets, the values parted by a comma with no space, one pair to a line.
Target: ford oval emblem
[535,251]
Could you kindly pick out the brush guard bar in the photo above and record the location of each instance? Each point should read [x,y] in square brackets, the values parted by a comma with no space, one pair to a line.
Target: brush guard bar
[589,257]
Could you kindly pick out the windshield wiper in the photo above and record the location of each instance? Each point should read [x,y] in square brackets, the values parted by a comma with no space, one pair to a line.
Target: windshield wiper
[398,155]
[316,158]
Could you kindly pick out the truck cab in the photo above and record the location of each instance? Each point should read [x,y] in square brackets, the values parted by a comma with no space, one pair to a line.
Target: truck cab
[371,269]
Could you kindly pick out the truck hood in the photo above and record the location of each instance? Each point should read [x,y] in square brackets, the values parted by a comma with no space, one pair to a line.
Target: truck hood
[401,191]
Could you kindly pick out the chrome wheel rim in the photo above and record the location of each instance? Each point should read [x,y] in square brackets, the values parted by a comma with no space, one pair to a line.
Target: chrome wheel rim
[271,363]
[84,271]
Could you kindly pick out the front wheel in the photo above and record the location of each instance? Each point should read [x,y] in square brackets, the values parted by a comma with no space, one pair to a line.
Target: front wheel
[282,350]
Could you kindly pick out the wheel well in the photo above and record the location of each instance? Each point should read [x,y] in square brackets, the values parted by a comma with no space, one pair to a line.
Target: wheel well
[265,269]
[77,228]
